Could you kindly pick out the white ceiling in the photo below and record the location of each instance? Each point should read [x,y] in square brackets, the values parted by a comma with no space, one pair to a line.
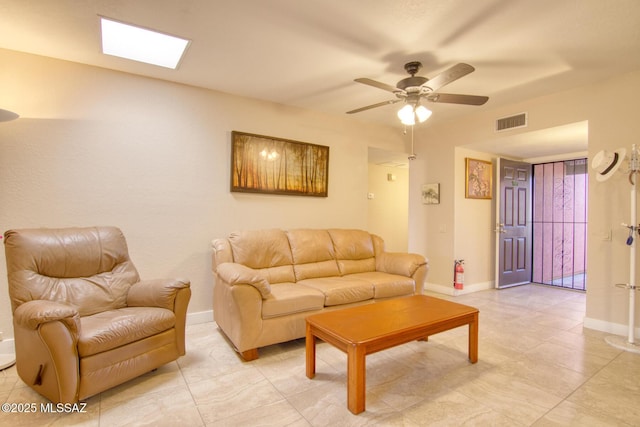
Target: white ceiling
[307,53]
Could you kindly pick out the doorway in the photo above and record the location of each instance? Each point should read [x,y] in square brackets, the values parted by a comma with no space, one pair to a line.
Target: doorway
[560,223]
[388,198]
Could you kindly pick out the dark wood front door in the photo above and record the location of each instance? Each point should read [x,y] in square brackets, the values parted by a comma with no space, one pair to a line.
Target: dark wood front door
[514,223]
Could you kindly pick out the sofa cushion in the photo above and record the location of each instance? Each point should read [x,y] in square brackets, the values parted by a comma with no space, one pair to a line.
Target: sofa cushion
[290,298]
[352,266]
[266,250]
[387,285]
[340,290]
[115,328]
[313,254]
[354,250]
[283,273]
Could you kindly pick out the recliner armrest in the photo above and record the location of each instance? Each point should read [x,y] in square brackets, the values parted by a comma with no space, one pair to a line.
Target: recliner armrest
[404,264]
[156,293]
[34,313]
[239,274]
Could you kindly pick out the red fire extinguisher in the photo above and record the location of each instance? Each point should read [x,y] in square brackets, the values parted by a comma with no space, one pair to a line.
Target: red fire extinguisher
[458,274]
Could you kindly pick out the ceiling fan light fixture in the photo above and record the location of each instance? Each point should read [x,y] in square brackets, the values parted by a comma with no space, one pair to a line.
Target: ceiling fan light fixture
[413,89]
[409,113]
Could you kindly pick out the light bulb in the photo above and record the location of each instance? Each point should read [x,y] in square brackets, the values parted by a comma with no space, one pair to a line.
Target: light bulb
[423,113]
[406,115]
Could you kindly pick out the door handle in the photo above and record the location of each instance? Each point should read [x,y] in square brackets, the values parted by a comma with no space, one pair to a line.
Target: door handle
[500,228]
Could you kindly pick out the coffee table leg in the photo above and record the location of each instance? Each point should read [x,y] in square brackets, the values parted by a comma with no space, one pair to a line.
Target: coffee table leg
[356,371]
[310,348]
[473,339]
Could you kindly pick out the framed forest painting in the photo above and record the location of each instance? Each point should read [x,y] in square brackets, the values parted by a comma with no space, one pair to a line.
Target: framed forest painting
[264,164]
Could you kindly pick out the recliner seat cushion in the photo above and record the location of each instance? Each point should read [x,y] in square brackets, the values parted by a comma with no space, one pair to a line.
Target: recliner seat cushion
[110,329]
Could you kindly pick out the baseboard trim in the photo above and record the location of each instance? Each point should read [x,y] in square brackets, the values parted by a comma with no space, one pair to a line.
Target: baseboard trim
[450,290]
[199,317]
[609,327]
[7,346]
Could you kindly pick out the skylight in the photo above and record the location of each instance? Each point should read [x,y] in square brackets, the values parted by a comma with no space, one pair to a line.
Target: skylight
[139,44]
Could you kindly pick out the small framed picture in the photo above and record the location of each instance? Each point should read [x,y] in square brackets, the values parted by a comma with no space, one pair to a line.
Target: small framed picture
[478,179]
[431,194]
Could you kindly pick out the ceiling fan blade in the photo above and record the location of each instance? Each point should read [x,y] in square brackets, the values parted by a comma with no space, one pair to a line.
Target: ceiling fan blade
[379,104]
[448,76]
[377,84]
[451,98]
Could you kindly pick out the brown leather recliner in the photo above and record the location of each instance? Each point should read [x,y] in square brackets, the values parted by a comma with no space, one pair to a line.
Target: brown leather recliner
[83,320]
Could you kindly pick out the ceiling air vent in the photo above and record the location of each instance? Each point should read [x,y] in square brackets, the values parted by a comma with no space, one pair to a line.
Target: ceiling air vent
[511,122]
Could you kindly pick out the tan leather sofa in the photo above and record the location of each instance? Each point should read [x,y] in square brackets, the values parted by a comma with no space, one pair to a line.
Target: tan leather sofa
[83,320]
[267,281]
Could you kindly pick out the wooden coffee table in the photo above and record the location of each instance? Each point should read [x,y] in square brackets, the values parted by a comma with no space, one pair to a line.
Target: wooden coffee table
[367,329]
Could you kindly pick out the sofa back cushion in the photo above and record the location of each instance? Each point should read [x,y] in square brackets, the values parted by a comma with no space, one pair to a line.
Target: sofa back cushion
[354,250]
[313,254]
[264,250]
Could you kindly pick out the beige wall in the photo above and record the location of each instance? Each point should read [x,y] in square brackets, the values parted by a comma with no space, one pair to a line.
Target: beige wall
[388,210]
[95,146]
[458,228]
[615,124]
[474,225]
[610,108]
[432,226]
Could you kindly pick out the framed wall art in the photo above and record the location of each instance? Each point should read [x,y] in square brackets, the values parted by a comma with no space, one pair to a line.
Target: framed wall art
[478,179]
[431,194]
[264,164]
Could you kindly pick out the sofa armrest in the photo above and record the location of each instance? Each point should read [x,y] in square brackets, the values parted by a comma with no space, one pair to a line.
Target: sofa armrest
[238,274]
[32,314]
[404,264]
[156,293]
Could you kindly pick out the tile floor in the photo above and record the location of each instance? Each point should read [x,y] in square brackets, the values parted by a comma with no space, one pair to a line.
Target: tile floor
[537,367]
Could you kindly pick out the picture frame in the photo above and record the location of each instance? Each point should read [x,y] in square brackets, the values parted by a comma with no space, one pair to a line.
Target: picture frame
[431,194]
[478,179]
[270,165]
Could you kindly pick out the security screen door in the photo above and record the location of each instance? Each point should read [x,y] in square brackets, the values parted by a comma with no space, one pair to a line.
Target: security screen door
[560,223]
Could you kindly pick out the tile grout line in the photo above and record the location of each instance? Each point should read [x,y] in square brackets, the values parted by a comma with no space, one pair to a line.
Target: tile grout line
[579,387]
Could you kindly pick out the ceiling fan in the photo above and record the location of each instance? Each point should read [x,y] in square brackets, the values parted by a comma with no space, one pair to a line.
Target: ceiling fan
[412,89]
